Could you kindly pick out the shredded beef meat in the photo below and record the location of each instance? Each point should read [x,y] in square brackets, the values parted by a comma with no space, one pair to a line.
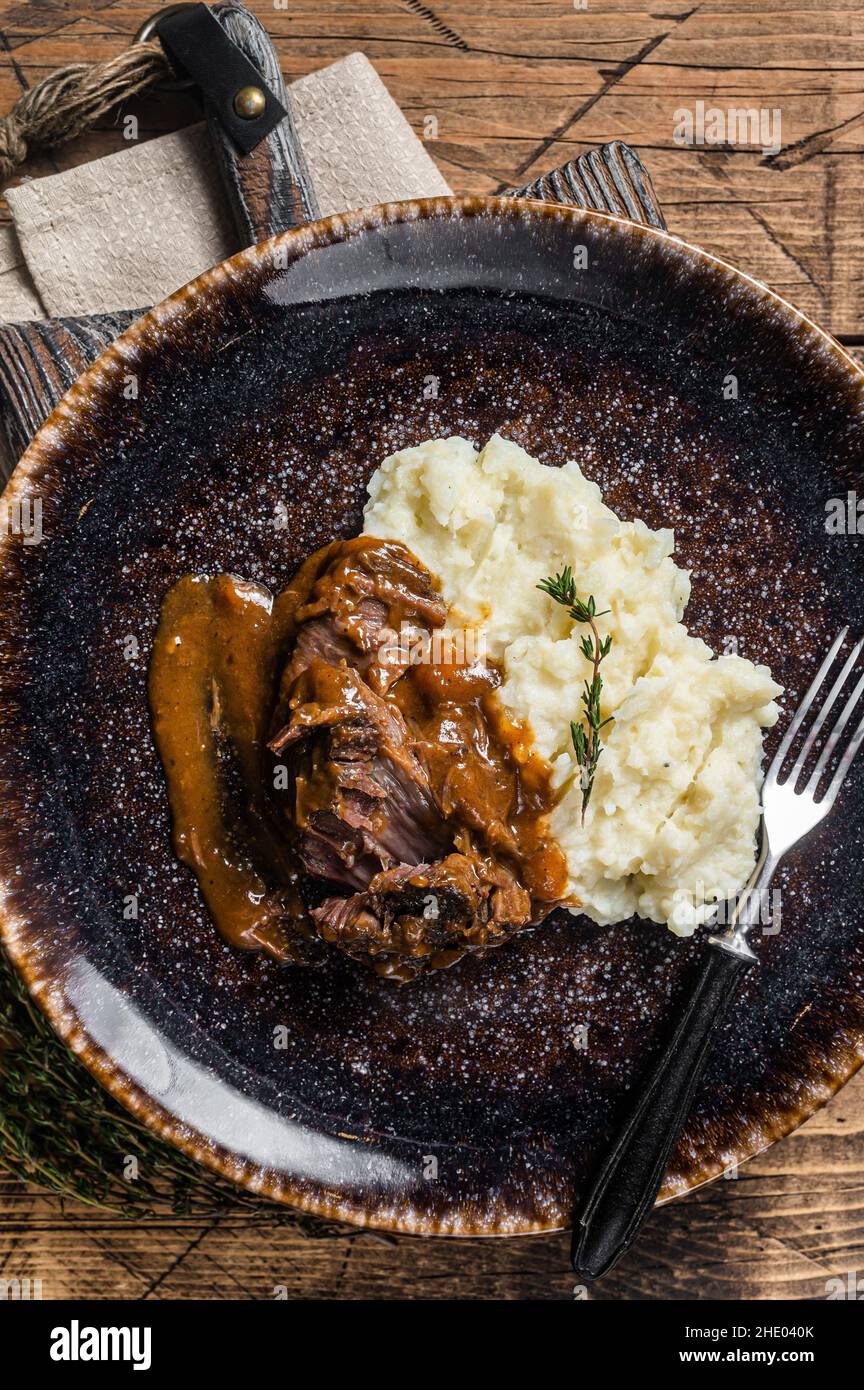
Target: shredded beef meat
[362,799]
[406,791]
[428,914]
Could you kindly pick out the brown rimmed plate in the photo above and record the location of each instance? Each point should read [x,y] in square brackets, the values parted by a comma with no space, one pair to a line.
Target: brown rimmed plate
[234,428]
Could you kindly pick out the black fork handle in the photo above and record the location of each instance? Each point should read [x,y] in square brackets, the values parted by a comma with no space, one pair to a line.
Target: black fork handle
[624,1189]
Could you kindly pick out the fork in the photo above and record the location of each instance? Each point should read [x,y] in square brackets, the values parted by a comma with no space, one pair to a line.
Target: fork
[624,1189]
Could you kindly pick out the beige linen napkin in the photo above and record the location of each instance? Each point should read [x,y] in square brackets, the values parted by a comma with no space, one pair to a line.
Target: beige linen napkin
[129,229]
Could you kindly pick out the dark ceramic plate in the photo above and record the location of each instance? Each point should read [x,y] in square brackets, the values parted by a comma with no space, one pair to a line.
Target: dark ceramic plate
[462,1103]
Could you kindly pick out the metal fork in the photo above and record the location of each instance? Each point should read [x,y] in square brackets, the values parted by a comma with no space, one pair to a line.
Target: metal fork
[624,1189]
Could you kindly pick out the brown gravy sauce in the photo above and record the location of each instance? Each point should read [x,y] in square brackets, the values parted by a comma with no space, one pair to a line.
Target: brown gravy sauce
[220,648]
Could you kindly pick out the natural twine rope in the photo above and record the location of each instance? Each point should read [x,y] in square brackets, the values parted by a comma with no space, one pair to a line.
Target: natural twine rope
[71,100]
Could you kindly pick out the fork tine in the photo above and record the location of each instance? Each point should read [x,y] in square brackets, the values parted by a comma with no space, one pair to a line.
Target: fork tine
[777,760]
[824,712]
[834,737]
[845,763]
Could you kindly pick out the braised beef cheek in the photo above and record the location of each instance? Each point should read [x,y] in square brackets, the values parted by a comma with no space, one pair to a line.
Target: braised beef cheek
[341,769]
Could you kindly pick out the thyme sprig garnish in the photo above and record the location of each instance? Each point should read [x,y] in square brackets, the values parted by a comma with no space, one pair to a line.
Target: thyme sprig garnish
[586,736]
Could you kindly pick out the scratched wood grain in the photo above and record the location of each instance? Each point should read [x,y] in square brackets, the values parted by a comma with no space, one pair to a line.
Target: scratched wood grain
[516,88]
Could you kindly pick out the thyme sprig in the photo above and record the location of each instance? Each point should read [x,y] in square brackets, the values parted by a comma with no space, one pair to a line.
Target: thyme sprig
[586,736]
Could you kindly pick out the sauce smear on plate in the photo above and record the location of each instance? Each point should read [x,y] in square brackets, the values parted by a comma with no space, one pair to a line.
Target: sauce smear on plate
[341,769]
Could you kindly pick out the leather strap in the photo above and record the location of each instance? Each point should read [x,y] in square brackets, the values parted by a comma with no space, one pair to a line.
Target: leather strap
[198,46]
[270,189]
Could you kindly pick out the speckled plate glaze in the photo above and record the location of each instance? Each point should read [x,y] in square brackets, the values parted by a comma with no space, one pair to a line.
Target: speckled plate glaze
[270,388]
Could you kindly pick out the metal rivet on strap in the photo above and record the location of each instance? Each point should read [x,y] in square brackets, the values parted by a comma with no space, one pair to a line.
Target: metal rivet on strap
[249,103]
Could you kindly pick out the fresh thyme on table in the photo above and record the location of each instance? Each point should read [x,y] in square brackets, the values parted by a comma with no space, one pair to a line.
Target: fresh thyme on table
[586,736]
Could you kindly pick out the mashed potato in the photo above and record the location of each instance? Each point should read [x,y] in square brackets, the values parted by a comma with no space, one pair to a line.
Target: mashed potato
[671,823]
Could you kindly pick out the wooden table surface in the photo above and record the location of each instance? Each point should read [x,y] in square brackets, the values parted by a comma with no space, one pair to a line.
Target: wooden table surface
[518,86]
